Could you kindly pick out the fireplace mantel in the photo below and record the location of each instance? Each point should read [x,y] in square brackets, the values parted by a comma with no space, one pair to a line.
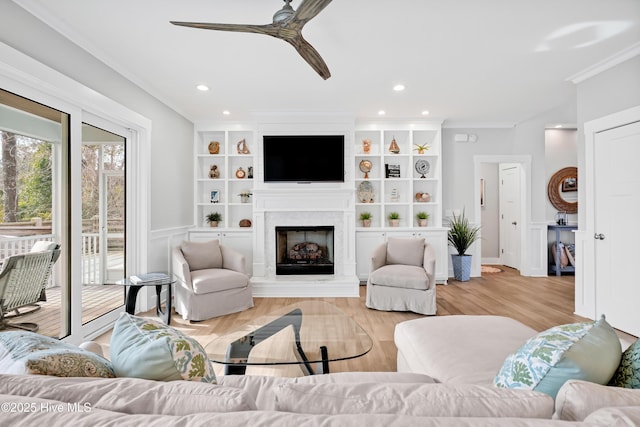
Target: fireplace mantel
[304,205]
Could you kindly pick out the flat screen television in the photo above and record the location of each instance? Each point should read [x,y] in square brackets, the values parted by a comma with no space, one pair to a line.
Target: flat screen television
[303,158]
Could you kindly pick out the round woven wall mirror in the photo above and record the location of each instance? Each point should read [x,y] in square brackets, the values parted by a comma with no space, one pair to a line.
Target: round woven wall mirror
[562,182]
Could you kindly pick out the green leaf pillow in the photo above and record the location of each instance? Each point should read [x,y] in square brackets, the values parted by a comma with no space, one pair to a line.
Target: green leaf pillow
[628,373]
[585,351]
[143,348]
[23,352]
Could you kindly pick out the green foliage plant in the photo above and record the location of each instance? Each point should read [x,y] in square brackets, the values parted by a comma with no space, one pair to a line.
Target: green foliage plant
[394,215]
[365,215]
[214,217]
[422,215]
[462,234]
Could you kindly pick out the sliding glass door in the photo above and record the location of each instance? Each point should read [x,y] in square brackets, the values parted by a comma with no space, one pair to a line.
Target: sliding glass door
[103,220]
[63,178]
[34,198]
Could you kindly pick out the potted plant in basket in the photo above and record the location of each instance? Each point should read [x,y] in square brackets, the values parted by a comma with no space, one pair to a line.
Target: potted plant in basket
[461,236]
[365,217]
[422,218]
[213,218]
[244,196]
[394,219]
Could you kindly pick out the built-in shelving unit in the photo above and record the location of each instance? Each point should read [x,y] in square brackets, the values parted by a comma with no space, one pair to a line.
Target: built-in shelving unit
[398,194]
[222,194]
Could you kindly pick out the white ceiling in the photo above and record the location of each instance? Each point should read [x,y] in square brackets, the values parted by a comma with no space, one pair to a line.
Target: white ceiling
[470,62]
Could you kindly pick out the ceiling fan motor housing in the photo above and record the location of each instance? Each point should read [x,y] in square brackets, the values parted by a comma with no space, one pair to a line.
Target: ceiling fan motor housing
[284,13]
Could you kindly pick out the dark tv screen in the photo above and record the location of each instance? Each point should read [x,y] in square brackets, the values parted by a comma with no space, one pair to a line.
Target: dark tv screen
[303,158]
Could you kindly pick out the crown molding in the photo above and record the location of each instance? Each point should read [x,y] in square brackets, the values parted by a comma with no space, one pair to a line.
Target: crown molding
[610,62]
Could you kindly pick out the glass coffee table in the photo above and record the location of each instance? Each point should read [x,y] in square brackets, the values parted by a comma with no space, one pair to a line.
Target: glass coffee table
[306,334]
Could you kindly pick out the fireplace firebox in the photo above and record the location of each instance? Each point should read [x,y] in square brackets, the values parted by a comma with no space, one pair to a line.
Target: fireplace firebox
[304,250]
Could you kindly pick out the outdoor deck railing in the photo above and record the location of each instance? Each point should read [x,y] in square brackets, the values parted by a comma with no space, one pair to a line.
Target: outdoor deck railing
[90,253]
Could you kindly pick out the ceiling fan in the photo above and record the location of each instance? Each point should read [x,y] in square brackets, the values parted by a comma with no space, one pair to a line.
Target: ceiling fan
[287,25]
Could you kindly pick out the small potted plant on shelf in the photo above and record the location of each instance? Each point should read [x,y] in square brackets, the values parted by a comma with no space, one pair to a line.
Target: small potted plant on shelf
[421,148]
[422,217]
[365,217]
[461,236]
[214,218]
[244,196]
[394,219]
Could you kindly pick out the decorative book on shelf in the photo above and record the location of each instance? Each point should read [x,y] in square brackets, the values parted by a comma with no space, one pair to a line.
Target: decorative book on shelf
[392,171]
[149,278]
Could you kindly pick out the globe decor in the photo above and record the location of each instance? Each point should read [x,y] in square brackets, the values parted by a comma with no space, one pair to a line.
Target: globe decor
[461,236]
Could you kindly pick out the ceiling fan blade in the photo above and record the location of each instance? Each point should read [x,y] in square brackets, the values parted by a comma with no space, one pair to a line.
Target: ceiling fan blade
[268,29]
[310,55]
[307,10]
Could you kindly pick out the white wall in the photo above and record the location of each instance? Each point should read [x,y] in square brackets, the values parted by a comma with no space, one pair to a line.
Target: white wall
[524,139]
[171,135]
[561,151]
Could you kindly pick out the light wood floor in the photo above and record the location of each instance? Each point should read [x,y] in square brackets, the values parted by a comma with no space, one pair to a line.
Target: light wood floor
[537,302]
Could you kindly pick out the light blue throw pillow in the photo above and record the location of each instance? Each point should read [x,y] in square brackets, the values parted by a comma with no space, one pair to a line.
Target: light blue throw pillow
[144,348]
[587,351]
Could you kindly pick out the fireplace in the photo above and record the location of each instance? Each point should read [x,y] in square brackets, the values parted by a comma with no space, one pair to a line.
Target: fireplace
[304,250]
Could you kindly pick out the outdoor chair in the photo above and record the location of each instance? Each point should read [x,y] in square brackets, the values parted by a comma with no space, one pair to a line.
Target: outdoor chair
[22,281]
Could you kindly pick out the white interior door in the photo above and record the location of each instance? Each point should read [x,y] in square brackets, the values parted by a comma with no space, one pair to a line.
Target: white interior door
[617,203]
[510,214]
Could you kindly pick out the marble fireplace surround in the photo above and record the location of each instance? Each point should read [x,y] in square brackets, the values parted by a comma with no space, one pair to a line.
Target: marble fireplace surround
[306,206]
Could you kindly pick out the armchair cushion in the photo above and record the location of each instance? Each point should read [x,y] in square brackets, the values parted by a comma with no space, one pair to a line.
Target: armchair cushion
[202,255]
[405,251]
[401,276]
[215,280]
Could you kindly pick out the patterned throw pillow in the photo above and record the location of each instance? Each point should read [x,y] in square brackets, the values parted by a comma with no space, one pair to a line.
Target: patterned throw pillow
[23,352]
[585,351]
[628,373]
[143,348]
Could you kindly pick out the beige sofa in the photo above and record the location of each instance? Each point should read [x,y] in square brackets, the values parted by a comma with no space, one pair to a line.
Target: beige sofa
[470,350]
[358,399]
[443,397]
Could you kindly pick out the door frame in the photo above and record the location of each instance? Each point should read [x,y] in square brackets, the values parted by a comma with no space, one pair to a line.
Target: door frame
[525,205]
[585,285]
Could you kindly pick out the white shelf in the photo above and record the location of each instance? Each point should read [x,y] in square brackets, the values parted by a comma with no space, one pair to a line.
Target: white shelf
[409,183]
[228,186]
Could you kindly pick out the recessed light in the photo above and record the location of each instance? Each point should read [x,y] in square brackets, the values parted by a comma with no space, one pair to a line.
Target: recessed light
[203,88]
[558,126]
[226,112]
[381,113]
[425,113]
[398,88]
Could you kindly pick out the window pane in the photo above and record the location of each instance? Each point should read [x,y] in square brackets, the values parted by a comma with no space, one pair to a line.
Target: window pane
[34,206]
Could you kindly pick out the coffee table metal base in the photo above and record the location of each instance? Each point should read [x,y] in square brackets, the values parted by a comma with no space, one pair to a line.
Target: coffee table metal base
[238,351]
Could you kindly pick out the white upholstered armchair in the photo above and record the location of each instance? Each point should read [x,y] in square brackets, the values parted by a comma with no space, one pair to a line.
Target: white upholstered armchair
[402,276]
[212,280]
